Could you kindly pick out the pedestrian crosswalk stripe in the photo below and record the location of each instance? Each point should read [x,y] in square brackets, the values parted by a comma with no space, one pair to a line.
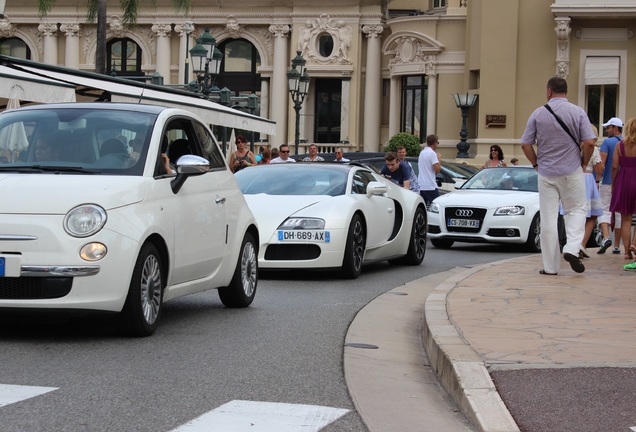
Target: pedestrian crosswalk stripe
[15,393]
[243,416]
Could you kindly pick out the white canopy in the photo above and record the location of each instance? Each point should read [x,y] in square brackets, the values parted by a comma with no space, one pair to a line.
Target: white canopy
[104,87]
[25,86]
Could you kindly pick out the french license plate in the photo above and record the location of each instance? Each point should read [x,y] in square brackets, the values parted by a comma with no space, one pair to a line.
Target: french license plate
[1,266]
[464,223]
[304,235]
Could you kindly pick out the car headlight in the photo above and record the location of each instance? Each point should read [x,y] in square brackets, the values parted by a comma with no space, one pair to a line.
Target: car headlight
[302,223]
[434,207]
[510,211]
[84,220]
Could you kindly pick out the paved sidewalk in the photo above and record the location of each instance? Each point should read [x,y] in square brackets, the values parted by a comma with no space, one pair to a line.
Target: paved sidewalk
[506,316]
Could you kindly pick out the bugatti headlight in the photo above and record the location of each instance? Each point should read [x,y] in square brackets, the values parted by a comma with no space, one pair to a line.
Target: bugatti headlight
[84,220]
[510,211]
[303,223]
[434,207]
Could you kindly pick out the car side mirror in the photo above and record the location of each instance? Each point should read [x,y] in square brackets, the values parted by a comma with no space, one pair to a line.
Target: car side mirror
[376,188]
[188,165]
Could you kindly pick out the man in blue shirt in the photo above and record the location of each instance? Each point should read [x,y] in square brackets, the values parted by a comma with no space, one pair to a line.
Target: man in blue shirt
[398,172]
[614,130]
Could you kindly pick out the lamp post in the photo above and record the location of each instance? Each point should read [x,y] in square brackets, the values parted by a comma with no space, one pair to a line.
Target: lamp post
[464,102]
[206,61]
[298,82]
[252,105]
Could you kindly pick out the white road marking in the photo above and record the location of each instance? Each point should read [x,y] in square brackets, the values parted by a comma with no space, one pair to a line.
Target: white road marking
[242,416]
[15,393]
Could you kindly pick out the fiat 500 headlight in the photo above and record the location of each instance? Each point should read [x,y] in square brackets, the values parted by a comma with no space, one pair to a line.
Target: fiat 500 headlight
[510,211]
[84,220]
[302,223]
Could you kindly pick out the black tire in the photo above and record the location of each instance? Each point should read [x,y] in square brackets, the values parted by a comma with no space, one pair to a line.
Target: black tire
[442,243]
[144,303]
[596,238]
[417,242]
[354,249]
[533,243]
[242,288]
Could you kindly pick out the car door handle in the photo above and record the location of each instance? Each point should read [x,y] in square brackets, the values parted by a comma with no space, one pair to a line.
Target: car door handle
[219,200]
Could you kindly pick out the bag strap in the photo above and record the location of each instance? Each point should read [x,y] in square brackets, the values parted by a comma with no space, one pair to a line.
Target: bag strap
[563,125]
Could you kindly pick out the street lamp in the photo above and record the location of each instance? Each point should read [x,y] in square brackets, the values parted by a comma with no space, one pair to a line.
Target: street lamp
[464,102]
[252,106]
[298,82]
[206,61]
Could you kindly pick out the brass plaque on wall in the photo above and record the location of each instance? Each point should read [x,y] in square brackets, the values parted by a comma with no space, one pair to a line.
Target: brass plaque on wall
[493,120]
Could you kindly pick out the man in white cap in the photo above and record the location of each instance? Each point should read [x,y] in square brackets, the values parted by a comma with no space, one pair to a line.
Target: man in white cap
[614,130]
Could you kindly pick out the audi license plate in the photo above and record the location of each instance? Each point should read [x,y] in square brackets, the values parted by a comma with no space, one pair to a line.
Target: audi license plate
[304,235]
[463,223]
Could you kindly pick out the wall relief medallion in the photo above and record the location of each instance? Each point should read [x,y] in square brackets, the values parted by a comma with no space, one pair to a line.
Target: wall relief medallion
[325,41]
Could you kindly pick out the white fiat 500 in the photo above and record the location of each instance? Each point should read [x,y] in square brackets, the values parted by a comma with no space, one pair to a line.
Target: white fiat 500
[118,208]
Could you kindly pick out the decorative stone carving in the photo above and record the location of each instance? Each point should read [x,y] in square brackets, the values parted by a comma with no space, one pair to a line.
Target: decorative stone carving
[90,37]
[410,49]
[162,30]
[6,28]
[116,26]
[279,30]
[233,28]
[266,38]
[373,30]
[185,28]
[70,30]
[340,33]
[48,29]
[563,31]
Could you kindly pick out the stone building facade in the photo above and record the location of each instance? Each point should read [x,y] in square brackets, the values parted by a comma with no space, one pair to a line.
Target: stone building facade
[377,67]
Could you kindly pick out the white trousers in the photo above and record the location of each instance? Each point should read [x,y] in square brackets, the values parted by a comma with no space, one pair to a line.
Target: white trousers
[569,191]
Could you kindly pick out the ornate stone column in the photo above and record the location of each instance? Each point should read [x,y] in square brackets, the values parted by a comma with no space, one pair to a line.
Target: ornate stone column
[372,88]
[71,32]
[49,31]
[394,106]
[185,43]
[162,32]
[563,31]
[280,96]
[344,108]
[431,104]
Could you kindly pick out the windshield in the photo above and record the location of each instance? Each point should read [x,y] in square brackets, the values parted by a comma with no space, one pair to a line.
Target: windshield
[74,140]
[286,179]
[522,179]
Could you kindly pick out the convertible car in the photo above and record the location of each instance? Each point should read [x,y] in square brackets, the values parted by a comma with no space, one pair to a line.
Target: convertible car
[496,205]
[332,216]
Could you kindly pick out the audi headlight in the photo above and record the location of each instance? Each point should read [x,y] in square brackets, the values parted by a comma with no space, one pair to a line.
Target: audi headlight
[510,211]
[433,208]
[303,223]
[84,220]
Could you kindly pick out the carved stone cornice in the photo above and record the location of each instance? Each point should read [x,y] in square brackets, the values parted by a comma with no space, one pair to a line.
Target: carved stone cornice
[563,31]
[116,26]
[233,28]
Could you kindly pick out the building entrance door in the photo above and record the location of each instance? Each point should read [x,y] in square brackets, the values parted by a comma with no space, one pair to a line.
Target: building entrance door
[328,100]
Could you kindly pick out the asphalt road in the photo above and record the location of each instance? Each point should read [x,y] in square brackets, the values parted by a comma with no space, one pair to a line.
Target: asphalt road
[286,348]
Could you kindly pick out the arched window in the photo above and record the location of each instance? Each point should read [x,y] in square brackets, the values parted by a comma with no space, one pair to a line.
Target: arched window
[15,47]
[123,56]
[238,68]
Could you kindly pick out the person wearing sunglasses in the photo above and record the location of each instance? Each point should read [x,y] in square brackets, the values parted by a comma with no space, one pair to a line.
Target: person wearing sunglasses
[496,158]
[340,156]
[283,157]
[242,157]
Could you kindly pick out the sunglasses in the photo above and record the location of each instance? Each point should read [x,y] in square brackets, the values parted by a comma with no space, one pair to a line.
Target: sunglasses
[284,151]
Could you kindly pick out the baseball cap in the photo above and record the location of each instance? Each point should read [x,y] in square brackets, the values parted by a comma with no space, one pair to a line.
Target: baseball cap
[614,121]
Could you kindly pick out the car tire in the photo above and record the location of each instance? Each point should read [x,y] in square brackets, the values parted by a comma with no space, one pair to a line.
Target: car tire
[417,242]
[354,249]
[242,288]
[144,303]
[533,243]
[442,243]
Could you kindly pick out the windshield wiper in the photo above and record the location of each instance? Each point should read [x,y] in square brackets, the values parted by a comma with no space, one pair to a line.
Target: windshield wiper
[49,168]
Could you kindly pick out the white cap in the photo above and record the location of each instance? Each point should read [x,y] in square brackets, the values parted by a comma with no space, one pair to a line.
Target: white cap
[614,121]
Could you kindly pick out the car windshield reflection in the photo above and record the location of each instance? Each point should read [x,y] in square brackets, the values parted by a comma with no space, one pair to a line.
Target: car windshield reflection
[509,178]
[285,179]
